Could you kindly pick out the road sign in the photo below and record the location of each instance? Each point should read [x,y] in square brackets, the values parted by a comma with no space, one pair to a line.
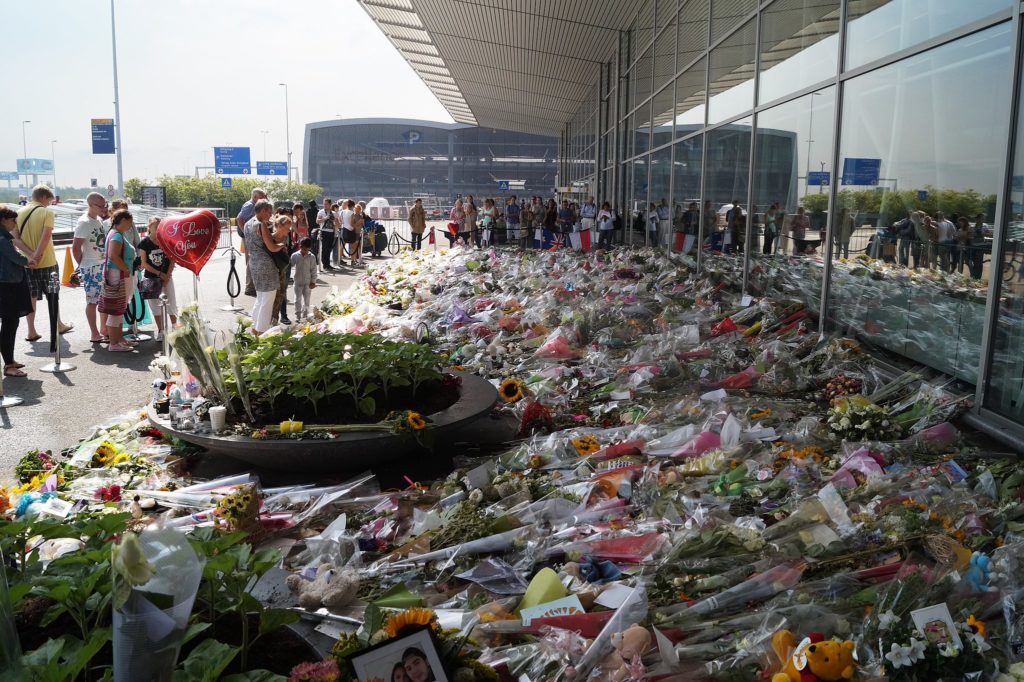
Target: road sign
[272,168]
[9,175]
[861,171]
[110,190]
[819,178]
[35,166]
[922,195]
[232,160]
[155,196]
[94,182]
[503,185]
[103,136]
[225,183]
[412,136]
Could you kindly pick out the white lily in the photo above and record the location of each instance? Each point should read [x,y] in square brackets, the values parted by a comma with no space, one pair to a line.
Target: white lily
[899,656]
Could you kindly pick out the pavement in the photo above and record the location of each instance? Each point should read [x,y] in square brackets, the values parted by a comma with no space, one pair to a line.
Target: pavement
[61,409]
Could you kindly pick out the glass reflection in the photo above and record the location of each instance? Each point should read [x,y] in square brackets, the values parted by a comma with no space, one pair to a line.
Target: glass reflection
[726,168]
[692,38]
[878,28]
[690,95]
[661,172]
[636,219]
[725,14]
[911,168]
[686,194]
[732,75]
[799,45]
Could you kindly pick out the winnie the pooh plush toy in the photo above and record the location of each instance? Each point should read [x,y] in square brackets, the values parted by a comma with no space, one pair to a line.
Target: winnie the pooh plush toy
[815,659]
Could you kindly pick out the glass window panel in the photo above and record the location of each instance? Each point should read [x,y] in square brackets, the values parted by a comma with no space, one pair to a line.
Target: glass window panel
[878,28]
[732,75]
[666,12]
[662,110]
[726,166]
[642,130]
[628,141]
[638,201]
[690,98]
[642,30]
[661,172]
[641,76]
[939,161]
[692,38]
[725,14]
[665,57]
[799,45]
[790,138]
[686,193]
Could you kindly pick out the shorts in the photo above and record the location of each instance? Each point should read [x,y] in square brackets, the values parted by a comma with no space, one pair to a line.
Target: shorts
[513,230]
[42,281]
[92,282]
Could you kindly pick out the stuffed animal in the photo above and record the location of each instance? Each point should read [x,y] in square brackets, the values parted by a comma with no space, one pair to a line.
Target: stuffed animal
[977,574]
[812,660]
[331,588]
[625,663]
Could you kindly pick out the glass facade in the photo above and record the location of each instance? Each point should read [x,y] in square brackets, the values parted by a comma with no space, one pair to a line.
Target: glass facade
[398,159]
[842,129]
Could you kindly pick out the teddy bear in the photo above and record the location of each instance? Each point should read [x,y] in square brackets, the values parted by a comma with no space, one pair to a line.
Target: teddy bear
[812,660]
[331,587]
[625,662]
[977,575]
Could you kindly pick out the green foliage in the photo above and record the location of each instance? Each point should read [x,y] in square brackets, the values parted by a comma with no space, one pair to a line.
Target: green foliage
[316,367]
[892,206]
[206,191]
[62,659]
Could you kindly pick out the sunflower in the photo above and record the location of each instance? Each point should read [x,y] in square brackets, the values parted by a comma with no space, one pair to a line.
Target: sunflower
[105,453]
[410,618]
[511,390]
[977,626]
[586,445]
[415,421]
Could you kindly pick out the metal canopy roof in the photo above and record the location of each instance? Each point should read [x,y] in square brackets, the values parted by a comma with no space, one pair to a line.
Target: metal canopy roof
[523,65]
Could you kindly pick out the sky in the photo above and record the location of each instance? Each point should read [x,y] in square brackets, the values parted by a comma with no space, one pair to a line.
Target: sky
[193,74]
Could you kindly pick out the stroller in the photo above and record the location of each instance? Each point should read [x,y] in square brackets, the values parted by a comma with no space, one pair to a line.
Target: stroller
[375,237]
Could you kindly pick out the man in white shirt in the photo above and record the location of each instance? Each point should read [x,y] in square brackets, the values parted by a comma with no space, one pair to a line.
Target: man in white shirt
[947,240]
[345,218]
[88,250]
[326,220]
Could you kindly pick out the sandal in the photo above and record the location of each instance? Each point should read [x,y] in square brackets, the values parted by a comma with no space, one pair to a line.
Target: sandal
[16,365]
[120,348]
[33,339]
[13,372]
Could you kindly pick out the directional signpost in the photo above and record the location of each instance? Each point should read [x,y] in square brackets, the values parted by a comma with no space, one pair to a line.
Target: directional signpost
[103,136]
[861,171]
[272,168]
[232,160]
[819,178]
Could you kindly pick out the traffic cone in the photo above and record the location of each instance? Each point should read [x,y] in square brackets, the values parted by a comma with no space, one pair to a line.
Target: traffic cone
[69,267]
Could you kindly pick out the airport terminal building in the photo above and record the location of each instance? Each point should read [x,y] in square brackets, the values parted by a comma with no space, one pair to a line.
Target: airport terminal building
[891,106]
[401,158]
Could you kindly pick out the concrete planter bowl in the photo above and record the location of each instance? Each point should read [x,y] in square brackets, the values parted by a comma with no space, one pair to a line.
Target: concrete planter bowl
[348,451]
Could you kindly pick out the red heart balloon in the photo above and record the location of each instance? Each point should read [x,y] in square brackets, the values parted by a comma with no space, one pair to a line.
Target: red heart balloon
[189,240]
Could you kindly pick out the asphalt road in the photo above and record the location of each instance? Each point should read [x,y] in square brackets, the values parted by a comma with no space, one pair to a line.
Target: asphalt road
[61,409]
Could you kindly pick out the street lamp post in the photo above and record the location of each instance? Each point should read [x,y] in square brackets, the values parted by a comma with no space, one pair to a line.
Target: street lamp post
[287,135]
[265,132]
[24,147]
[117,106]
[53,160]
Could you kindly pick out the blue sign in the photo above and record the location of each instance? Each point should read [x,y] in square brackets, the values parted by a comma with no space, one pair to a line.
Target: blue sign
[412,136]
[503,185]
[271,168]
[232,160]
[922,195]
[9,175]
[103,136]
[1018,183]
[819,178]
[861,171]
[225,183]
[34,165]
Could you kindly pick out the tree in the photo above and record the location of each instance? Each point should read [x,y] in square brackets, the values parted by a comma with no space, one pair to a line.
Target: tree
[207,192]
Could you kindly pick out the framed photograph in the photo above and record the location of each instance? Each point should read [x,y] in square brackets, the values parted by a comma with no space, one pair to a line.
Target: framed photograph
[937,625]
[411,658]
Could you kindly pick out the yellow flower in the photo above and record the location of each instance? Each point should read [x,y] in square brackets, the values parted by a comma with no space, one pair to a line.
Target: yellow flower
[123,457]
[978,626]
[586,445]
[410,618]
[511,390]
[415,421]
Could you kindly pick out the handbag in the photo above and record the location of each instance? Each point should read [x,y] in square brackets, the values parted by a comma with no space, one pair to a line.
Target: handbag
[113,297]
[150,287]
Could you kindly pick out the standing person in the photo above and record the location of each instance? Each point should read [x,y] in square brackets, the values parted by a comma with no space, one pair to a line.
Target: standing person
[537,211]
[710,222]
[156,276]
[512,215]
[327,221]
[550,224]
[119,269]
[490,217]
[304,277]
[946,238]
[605,226]
[978,246]
[734,228]
[35,228]
[565,218]
[347,232]
[801,223]
[355,246]
[314,229]
[525,223]
[843,234]
[15,298]
[417,224]
[962,257]
[266,277]
[87,248]
[771,229]
[904,231]
[300,226]
[469,227]
[284,227]
[931,241]
[456,217]
[245,214]
[664,223]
